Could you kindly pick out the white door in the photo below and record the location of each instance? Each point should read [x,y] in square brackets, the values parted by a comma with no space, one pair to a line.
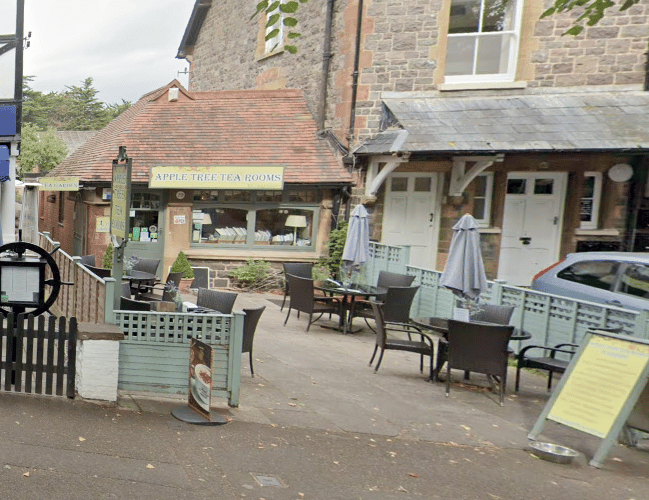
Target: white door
[409,217]
[531,232]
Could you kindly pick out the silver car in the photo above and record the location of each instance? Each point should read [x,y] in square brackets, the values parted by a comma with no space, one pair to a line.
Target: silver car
[613,278]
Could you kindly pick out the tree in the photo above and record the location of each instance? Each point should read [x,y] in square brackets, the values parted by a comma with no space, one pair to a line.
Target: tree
[594,11]
[280,11]
[40,150]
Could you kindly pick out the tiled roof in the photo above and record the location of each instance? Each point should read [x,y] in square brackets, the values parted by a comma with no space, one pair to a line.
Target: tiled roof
[74,139]
[243,127]
[588,121]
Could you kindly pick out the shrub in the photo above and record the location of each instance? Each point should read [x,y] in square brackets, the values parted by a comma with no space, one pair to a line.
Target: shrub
[256,275]
[107,262]
[182,264]
[336,246]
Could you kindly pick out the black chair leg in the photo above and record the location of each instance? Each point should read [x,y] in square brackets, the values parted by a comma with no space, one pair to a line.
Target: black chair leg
[378,363]
[288,314]
[421,363]
[373,354]
[283,301]
[252,370]
[550,381]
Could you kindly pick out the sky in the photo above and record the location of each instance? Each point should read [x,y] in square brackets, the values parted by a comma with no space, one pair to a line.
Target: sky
[128,47]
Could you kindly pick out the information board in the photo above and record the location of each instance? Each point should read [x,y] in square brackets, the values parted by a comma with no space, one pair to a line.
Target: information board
[59,183]
[200,378]
[120,202]
[600,388]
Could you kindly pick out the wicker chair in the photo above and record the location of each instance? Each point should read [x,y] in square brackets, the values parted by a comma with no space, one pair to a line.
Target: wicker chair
[100,271]
[491,313]
[303,299]
[395,304]
[88,260]
[387,279]
[424,347]
[217,300]
[133,305]
[301,269]
[545,358]
[478,347]
[249,327]
[147,265]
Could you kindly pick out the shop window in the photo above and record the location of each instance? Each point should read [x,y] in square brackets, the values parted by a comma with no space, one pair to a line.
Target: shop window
[591,194]
[144,217]
[253,226]
[482,195]
[482,40]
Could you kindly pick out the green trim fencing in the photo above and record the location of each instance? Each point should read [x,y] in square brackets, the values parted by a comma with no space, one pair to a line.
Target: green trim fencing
[550,319]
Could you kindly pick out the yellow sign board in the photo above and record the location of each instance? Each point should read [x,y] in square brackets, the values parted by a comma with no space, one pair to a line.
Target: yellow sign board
[59,183]
[102,225]
[599,385]
[264,177]
[120,203]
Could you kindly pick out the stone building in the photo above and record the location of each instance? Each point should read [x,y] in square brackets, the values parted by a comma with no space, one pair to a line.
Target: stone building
[442,107]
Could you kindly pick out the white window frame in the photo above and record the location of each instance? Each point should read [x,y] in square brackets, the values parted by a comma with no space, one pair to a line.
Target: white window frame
[597,196]
[488,197]
[277,42]
[507,76]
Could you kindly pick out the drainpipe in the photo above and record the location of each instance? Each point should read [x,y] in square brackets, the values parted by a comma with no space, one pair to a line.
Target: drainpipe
[646,71]
[326,59]
[357,52]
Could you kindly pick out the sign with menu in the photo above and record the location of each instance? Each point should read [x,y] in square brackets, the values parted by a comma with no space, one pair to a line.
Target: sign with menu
[600,388]
[200,378]
[120,202]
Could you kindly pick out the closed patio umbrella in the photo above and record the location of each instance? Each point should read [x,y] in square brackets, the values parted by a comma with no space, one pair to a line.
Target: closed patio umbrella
[357,244]
[464,271]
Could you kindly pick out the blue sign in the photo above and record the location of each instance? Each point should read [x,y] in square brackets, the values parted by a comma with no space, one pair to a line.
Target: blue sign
[7,120]
[4,164]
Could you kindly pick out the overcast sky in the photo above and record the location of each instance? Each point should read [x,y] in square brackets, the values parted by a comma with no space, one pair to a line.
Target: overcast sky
[128,47]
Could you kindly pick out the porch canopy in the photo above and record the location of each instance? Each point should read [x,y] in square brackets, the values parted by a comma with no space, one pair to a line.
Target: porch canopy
[534,120]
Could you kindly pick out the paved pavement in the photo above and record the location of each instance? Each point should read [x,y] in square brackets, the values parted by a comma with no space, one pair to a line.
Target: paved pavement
[316,422]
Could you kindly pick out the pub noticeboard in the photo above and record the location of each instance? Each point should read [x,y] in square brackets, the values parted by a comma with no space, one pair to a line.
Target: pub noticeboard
[600,389]
[120,202]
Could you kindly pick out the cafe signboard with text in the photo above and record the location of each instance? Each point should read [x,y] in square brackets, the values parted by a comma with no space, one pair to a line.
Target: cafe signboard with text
[59,183]
[242,177]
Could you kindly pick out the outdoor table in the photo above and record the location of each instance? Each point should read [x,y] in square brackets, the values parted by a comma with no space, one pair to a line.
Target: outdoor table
[349,294]
[136,279]
[439,326]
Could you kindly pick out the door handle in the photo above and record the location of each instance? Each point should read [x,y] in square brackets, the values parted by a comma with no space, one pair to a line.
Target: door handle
[432,215]
[525,240]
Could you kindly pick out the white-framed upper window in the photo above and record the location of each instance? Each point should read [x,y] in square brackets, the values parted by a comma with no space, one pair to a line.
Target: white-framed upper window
[590,198]
[276,42]
[483,193]
[482,41]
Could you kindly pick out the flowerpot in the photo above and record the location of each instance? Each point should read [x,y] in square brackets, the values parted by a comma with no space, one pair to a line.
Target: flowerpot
[185,283]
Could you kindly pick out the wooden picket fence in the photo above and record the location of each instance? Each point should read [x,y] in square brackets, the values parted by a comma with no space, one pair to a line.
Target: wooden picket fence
[38,358]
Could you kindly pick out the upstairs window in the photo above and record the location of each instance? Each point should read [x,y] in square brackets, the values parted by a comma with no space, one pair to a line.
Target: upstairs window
[276,29]
[482,44]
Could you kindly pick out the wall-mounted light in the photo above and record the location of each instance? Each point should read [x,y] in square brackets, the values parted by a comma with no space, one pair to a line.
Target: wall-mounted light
[620,172]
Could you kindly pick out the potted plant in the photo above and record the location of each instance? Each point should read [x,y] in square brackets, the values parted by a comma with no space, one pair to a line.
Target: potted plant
[182,264]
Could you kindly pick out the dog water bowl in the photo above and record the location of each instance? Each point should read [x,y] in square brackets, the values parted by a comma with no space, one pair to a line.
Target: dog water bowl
[553,452]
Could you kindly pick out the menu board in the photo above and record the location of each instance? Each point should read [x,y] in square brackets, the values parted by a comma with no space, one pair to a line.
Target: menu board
[200,378]
[599,385]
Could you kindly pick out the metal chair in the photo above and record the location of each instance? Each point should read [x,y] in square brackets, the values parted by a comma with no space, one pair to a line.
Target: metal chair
[424,347]
[301,269]
[133,305]
[100,271]
[217,300]
[545,358]
[478,347]
[166,296]
[250,322]
[147,265]
[387,279]
[126,290]
[303,299]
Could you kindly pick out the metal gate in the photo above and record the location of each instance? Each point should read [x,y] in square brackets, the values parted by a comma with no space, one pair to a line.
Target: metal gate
[38,359]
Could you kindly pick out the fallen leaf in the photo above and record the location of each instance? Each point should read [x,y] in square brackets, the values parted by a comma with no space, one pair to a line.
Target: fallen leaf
[292,404]
[82,438]
[149,466]
[8,467]
[401,488]
[465,427]
[615,459]
[412,474]
[301,495]
[26,474]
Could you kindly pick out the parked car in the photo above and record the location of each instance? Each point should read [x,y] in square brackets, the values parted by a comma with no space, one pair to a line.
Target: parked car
[613,278]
